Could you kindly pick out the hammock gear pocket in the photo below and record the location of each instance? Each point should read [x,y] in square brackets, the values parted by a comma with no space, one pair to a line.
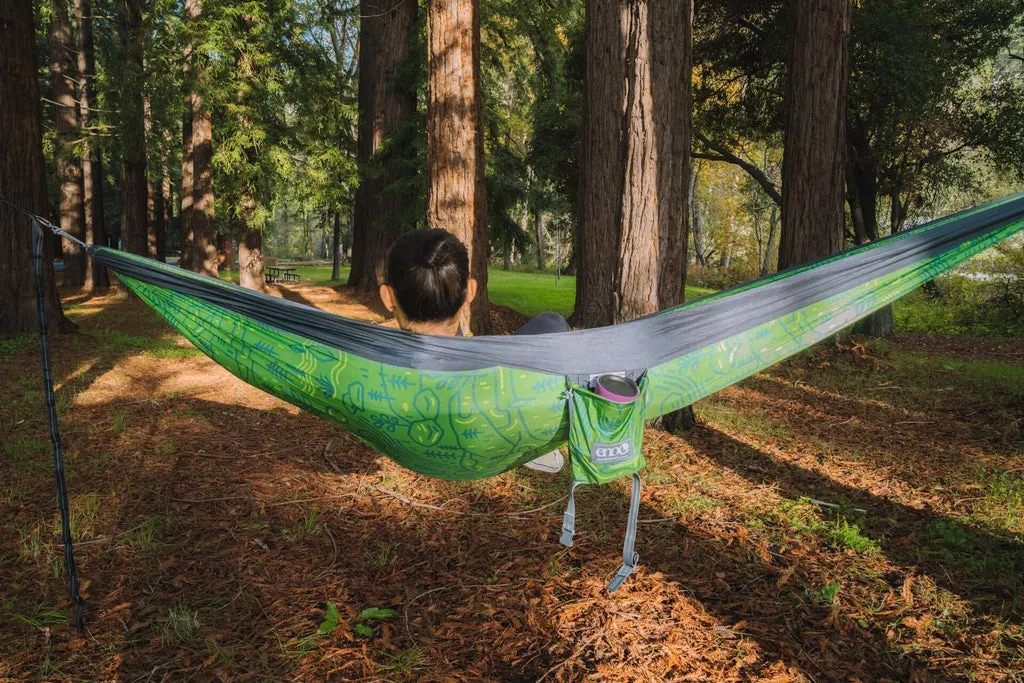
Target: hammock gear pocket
[606,431]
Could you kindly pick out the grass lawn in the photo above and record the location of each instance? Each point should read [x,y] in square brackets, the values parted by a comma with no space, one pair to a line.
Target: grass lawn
[528,293]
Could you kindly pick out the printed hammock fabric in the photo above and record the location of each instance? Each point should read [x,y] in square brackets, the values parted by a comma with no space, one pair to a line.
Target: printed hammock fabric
[469,408]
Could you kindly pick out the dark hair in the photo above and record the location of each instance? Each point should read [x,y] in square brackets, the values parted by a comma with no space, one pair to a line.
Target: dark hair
[429,270]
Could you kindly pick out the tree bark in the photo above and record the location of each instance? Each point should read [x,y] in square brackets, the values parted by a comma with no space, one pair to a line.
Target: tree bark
[538,225]
[225,252]
[250,259]
[456,195]
[635,161]
[187,234]
[197,198]
[204,236]
[156,233]
[773,236]
[814,161]
[384,34]
[636,164]
[337,249]
[92,160]
[22,175]
[69,173]
[134,198]
[160,206]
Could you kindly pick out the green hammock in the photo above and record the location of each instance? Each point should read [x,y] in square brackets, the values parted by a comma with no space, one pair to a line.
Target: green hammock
[458,408]
[469,408]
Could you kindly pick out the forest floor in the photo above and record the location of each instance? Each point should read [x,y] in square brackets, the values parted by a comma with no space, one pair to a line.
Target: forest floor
[855,513]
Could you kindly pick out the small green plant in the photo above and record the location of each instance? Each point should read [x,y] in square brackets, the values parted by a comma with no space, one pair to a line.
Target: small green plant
[330,623]
[405,662]
[381,558]
[17,343]
[41,617]
[310,524]
[83,511]
[170,350]
[845,535]
[120,423]
[690,504]
[827,594]
[144,538]
[31,542]
[366,626]
[181,624]
[12,495]
[65,399]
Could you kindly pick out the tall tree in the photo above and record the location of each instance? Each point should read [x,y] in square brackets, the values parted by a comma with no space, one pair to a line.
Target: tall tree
[337,249]
[814,161]
[199,248]
[157,230]
[92,158]
[134,196]
[384,107]
[635,162]
[456,196]
[69,172]
[22,174]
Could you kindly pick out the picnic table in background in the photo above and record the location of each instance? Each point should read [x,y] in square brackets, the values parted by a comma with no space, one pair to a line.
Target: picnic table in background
[281,273]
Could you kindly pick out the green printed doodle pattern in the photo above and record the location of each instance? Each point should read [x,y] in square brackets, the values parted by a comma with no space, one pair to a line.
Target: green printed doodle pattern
[479,423]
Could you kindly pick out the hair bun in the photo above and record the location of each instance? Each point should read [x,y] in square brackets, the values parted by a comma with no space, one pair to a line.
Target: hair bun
[436,250]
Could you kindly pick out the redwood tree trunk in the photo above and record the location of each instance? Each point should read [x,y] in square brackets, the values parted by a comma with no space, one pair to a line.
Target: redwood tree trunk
[814,162]
[160,198]
[456,196]
[337,250]
[69,173]
[635,164]
[199,248]
[384,34]
[92,160]
[22,174]
[134,199]
[225,251]
[187,236]
[250,259]
[204,245]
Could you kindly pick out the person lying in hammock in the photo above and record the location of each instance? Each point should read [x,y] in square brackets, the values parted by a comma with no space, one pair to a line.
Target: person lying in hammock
[428,285]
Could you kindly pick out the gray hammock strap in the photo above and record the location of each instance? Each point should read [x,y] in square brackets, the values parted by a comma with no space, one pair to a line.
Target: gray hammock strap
[51,413]
[569,518]
[629,557]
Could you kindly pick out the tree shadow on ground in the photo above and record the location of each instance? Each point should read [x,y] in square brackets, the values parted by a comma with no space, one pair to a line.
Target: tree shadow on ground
[981,565]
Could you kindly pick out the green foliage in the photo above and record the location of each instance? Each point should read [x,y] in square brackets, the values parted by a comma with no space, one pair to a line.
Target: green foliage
[366,627]
[330,622]
[933,98]
[826,595]
[377,613]
[957,306]
[845,535]
[17,343]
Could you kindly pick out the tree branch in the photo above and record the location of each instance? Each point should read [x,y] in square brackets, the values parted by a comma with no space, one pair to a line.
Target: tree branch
[723,154]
